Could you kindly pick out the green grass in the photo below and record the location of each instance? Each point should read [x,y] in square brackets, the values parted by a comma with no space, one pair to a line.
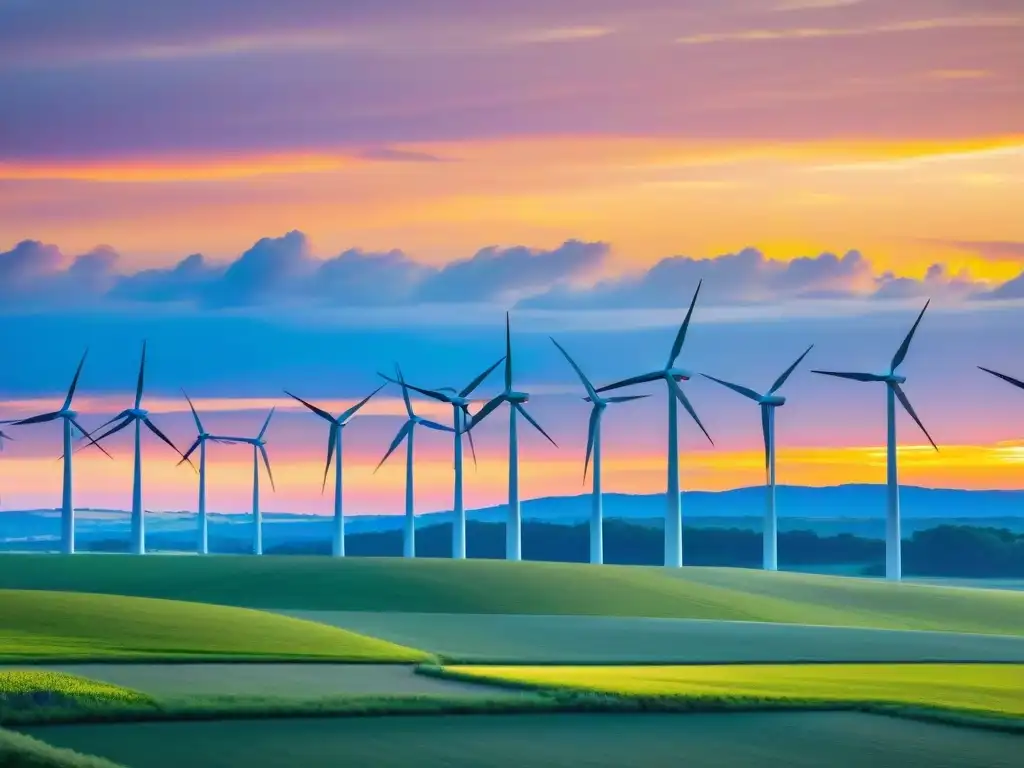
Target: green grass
[496,639]
[795,740]
[28,683]
[974,688]
[37,626]
[295,681]
[18,750]
[492,587]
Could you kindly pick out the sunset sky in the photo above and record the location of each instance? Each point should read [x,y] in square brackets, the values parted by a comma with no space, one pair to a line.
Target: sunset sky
[298,195]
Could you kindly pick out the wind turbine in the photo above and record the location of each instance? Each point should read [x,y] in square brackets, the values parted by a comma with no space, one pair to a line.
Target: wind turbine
[459,401]
[259,448]
[894,392]
[70,419]
[1009,379]
[768,402]
[406,432]
[334,450]
[202,545]
[594,447]
[516,400]
[137,416]
[672,375]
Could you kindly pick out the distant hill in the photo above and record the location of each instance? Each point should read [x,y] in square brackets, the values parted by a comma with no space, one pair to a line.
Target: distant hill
[835,510]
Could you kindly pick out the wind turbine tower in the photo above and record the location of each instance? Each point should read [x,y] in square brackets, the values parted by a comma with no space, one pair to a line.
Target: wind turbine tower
[894,392]
[672,375]
[259,450]
[516,401]
[70,422]
[334,441]
[594,448]
[768,402]
[459,401]
[203,539]
[137,416]
[406,433]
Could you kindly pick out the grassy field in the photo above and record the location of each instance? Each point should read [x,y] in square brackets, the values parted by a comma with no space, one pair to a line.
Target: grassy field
[23,683]
[488,638]
[981,688]
[295,681]
[68,626]
[499,587]
[20,751]
[850,740]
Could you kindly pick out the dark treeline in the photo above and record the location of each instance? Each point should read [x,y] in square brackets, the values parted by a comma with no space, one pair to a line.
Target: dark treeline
[960,551]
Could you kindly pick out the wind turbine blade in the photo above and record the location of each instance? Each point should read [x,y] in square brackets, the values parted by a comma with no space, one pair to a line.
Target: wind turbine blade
[748,393]
[142,374]
[786,373]
[153,428]
[468,390]
[643,378]
[199,424]
[1004,377]
[41,418]
[508,352]
[466,419]
[852,376]
[902,397]
[591,392]
[405,392]
[266,463]
[331,441]
[484,412]
[190,451]
[266,424]
[116,428]
[74,382]
[402,434]
[434,425]
[595,415]
[89,437]
[901,353]
[766,431]
[432,393]
[533,421]
[352,411]
[318,411]
[121,415]
[677,345]
[681,397]
[626,398]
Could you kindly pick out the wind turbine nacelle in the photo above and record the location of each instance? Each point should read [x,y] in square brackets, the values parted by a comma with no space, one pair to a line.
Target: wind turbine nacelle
[138,413]
[895,378]
[679,374]
[69,414]
[516,397]
[774,400]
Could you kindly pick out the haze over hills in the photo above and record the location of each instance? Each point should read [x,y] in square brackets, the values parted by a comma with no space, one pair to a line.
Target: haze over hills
[856,509]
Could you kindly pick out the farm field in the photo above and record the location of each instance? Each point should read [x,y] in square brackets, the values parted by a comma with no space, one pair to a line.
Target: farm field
[499,587]
[988,689]
[851,740]
[295,681]
[63,625]
[490,638]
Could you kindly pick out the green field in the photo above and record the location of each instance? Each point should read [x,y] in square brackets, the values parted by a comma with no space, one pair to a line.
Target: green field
[26,683]
[283,681]
[850,740]
[70,626]
[982,688]
[490,638]
[20,751]
[499,587]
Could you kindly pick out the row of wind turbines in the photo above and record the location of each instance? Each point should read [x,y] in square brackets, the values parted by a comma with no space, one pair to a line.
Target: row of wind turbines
[463,422]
